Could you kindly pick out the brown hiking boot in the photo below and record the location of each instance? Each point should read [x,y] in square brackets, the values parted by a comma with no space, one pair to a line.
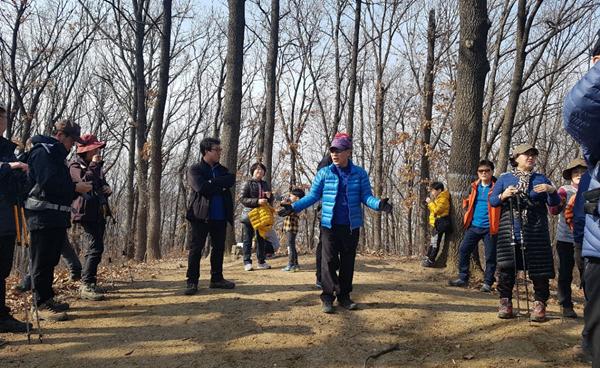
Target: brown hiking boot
[48,312]
[539,311]
[505,310]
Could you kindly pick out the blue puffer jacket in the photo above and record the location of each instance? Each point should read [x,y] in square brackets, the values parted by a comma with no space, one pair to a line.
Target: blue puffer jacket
[325,188]
[581,115]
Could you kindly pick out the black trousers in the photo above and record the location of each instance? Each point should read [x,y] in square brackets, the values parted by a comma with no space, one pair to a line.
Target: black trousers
[7,251]
[338,252]
[318,258]
[566,260]
[200,231]
[591,314]
[94,247]
[434,244]
[46,245]
[292,251]
[506,282]
[248,233]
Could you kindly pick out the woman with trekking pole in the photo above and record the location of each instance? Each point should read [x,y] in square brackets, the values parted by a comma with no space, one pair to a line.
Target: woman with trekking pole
[523,237]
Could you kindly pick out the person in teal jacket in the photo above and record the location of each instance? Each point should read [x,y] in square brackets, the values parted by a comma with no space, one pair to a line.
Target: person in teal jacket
[343,188]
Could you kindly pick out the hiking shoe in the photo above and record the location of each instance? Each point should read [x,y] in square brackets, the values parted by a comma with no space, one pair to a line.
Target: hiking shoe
[264,266]
[222,284]
[86,291]
[347,303]
[427,263]
[582,354]
[287,268]
[48,312]
[457,283]
[62,307]
[327,307]
[99,289]
[191,288]
[9,324]
[485,288]
[248,267]
[19,289]
[568,312]
[318,285]
[539,311]
[505,310]
[295,268]
[74,277]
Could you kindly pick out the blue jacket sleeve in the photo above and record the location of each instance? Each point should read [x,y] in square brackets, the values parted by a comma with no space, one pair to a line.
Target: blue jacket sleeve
[496,191]
[581,113]
[366,194]
[553,199]
[315,194]
[578,212]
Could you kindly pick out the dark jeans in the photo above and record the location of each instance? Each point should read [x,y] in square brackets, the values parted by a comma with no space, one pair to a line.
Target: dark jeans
[200,231]
[69,258]
[434,245]
[472,237]
[7,251]
[319,256]
[566,261]
[94,242]
[506,282]
[249,233]
[591,314]
[338,252]
[46,245]
[292,252]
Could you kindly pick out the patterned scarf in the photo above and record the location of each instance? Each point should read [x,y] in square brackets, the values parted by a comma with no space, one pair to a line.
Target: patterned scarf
[524,178]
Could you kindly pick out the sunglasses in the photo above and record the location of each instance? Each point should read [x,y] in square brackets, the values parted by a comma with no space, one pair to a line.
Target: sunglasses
[483,171]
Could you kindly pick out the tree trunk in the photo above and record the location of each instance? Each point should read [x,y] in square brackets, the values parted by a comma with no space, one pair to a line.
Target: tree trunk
[158,115]
[141,123]
[353,67]
[426,133]
[380,91]
[516,84]
[271,89]
[466,130]
[129,250]
[233,93]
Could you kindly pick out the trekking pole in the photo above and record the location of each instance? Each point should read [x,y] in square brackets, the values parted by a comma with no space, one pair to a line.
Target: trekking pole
[523,254]
[20,243]
[513,245]
[36,315]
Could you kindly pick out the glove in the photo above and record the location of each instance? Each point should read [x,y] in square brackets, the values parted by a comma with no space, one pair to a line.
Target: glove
[286,210]
[385,206]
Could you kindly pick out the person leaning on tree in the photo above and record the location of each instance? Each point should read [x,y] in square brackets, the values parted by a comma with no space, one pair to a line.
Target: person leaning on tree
[12,188]
[48,210]
[209,211]
[91,210]
[532,192]
[343,188]
[565,248]
[438,204]
[481,222]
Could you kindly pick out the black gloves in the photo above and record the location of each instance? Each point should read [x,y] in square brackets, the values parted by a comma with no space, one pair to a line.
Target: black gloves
[385,206]
[286,210]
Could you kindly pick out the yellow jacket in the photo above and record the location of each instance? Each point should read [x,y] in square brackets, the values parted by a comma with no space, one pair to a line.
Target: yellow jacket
[262,219]
[439,207]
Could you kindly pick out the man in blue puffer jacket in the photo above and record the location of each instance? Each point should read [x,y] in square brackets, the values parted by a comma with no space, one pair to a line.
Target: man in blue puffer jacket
[581,120]
[342,187]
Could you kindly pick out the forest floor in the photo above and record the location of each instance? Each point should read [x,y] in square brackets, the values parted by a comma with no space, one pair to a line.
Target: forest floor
[274,319]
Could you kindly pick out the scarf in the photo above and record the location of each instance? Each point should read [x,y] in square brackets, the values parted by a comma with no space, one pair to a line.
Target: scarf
[524,178]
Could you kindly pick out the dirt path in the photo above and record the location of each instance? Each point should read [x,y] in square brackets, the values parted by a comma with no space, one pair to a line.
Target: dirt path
[273,319]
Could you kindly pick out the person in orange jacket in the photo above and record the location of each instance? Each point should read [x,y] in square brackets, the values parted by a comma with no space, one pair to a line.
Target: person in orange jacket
[438,204]
[481,222]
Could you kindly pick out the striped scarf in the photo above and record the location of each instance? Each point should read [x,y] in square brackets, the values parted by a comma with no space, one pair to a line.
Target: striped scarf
[524,178]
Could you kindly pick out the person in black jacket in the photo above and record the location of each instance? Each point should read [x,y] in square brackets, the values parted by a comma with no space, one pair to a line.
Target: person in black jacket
[12,180]
[255,192]
[48,210]
[91,210]
[211,183]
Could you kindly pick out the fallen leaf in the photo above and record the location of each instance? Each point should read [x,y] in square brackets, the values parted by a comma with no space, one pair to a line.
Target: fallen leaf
[468,356]
[129,353]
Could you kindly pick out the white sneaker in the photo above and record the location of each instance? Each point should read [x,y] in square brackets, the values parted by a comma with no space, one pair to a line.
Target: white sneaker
[264,266]
[248,267]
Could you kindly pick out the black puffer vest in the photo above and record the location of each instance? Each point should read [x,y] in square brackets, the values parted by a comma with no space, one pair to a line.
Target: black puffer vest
[538,249]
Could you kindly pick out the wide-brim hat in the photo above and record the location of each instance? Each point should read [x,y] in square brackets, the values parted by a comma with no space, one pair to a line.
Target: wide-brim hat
[89,142]
[523,148]
[568,171]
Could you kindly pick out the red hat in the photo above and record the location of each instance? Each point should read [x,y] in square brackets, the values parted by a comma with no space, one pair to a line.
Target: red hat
[89,142]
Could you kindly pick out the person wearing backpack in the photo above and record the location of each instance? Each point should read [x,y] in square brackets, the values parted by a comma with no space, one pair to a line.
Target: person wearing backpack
[209,211]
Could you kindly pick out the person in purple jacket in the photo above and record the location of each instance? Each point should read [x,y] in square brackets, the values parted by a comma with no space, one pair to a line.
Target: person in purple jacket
[535,192]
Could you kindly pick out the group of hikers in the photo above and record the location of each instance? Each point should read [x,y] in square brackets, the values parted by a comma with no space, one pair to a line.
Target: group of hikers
[41,195]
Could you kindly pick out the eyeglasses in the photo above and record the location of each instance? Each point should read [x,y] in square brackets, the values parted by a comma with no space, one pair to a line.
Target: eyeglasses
[484,171]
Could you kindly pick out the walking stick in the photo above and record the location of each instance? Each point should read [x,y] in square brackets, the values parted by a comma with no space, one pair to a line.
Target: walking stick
[23,240]
[513,245]
[523,254]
